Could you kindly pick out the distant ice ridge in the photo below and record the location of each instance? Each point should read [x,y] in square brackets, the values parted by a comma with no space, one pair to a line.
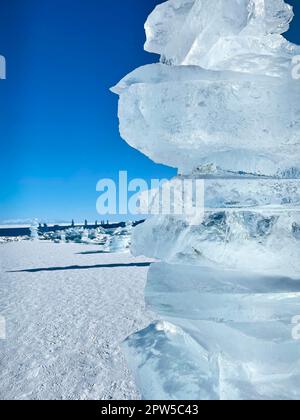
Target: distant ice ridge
[115,240]
[220,106]
[108,240]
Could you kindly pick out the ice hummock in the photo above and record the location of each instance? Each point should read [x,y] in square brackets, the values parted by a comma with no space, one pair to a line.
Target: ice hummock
[221,106]
[114,240]
[120,239]
[34,230]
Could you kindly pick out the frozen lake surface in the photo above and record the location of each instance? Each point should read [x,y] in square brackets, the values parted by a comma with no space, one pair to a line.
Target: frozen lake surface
[67,309]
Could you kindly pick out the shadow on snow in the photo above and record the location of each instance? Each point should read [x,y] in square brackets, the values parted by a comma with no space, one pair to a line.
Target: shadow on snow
[79,267]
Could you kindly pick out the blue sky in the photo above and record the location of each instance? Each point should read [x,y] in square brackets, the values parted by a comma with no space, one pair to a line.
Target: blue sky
[58,120]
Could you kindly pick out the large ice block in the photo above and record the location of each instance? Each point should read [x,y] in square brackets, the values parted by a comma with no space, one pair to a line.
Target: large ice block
[248,223]
[240,35]
[238,323]
[230,122]
[257,242]
[170,365]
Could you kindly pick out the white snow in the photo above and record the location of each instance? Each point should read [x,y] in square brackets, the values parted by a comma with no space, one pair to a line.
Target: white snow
[65,325]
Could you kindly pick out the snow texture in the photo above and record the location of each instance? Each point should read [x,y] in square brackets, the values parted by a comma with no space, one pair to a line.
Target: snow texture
[66,316]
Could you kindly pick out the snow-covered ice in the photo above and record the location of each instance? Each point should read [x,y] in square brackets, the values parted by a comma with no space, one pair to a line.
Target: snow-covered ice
[65,319]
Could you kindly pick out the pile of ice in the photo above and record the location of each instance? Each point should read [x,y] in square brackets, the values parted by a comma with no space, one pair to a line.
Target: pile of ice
[108,240]
[34,230]
[221,106]
[79,235]
[119,239]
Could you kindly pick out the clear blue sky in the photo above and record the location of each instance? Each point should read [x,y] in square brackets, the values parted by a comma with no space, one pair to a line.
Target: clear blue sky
[58,120]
